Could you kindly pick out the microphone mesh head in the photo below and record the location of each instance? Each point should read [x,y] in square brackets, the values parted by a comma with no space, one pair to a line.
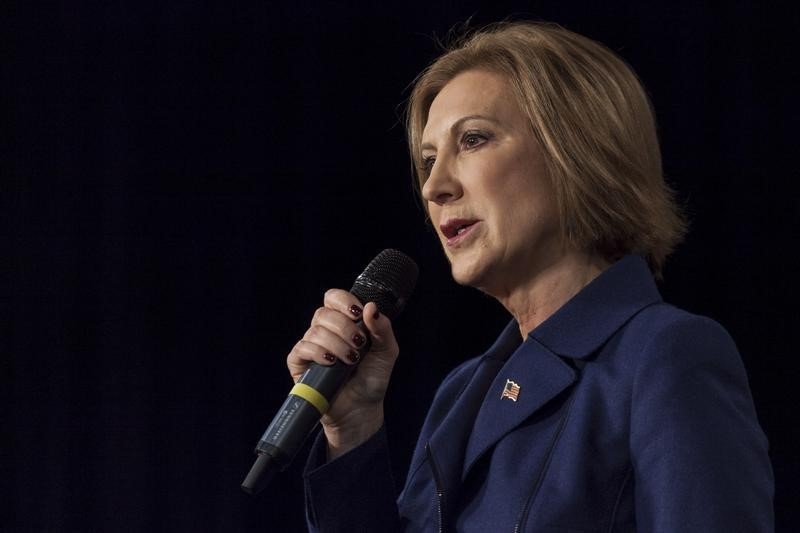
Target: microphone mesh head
[388,281]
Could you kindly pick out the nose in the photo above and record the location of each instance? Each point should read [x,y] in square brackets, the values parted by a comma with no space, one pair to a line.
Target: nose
[442,185]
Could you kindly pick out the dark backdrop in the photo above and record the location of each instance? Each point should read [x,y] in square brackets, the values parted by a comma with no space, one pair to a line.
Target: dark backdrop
[181,182]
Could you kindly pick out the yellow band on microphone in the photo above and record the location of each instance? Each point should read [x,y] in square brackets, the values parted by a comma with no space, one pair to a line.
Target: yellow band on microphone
[311,395]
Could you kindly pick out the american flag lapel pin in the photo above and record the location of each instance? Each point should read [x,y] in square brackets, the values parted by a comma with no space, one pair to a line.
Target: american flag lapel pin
[510,391]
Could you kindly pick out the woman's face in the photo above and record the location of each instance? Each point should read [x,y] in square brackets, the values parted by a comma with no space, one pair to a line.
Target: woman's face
[487,190]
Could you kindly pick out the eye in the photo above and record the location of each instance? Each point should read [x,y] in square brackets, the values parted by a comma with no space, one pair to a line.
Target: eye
[473,139]
[427,164]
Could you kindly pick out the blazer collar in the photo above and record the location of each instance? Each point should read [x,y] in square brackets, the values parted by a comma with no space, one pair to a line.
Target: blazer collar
[537,365]
[536,371]
[592,316]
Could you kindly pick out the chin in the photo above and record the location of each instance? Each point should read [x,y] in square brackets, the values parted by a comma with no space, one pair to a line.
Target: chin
[460,279]
[467,273]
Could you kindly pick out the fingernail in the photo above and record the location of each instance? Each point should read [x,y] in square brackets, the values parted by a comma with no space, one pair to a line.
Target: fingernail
[356,310]
[329,357]
[358,340]
[353,356]
[377,315]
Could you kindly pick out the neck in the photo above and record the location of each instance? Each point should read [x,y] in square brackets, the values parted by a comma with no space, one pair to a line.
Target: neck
[539,296]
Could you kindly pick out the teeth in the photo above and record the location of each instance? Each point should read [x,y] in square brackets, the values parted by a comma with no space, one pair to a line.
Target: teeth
[460,230]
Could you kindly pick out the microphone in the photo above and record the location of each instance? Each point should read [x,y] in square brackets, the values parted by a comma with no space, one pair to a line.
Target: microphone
[388,281]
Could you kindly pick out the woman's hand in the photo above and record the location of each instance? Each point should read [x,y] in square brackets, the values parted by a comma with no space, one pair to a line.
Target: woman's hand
[357,412]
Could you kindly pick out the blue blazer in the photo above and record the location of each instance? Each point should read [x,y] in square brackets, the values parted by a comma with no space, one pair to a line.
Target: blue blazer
[619,413]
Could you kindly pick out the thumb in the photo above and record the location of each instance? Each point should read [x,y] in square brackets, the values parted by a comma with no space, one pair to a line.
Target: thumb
[380,330]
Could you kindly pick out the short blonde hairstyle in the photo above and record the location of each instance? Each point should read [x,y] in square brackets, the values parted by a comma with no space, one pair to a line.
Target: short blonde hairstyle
[594,122]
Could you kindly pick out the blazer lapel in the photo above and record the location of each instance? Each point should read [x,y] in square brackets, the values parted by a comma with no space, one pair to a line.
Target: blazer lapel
[537,372]
[448,441]
[531,378]
[533,373]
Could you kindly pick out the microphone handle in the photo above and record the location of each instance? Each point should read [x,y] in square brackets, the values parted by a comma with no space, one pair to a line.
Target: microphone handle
[309,399]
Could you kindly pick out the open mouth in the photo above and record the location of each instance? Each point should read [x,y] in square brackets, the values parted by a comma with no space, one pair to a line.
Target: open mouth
[456,227]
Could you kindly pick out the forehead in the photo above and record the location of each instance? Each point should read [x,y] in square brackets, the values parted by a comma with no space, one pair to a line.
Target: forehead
[474,92]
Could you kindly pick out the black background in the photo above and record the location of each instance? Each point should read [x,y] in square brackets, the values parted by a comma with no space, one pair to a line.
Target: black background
[181,181]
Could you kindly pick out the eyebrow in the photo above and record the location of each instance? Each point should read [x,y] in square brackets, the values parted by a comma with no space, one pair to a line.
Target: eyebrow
[456,125]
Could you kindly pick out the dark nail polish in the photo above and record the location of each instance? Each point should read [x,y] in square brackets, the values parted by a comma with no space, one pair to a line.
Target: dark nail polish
[353,356]
[329,357]
[356,310]
[358,340]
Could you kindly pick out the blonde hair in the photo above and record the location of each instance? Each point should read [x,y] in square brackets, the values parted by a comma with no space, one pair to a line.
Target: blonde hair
[594,122]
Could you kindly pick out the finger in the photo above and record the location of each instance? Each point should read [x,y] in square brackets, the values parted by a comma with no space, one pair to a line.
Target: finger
[344,302]
[332,343]
[340,325]
[305,352]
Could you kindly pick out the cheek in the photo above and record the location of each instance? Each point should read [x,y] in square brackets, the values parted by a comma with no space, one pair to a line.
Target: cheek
[525,209]
[434,213]
[504,180]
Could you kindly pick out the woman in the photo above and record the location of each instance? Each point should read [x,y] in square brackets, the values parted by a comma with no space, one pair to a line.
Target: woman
[599,407]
